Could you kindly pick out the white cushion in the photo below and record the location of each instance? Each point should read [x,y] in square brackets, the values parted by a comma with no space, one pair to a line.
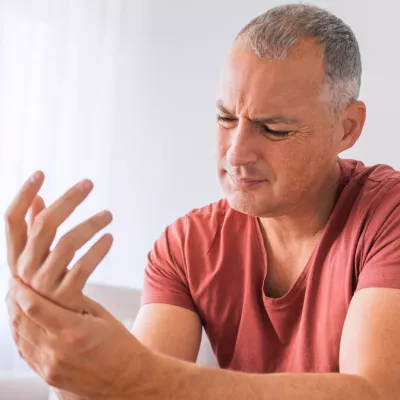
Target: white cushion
[22,387]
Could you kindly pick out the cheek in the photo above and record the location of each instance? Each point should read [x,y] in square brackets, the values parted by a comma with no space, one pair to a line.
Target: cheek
[297,165]
[222,146]
[221,140]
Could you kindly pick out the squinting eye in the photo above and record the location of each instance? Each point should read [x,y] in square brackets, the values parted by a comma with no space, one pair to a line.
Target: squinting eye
[225,119]
[276,133]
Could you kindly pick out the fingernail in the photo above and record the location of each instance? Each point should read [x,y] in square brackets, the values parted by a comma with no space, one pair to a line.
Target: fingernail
[108,238]
[86,185]
[106,214]
[35,177]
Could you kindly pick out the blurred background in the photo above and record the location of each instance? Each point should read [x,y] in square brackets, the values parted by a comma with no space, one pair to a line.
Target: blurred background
[122,92]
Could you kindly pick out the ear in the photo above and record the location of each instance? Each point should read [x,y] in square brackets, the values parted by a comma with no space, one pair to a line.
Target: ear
[353,122]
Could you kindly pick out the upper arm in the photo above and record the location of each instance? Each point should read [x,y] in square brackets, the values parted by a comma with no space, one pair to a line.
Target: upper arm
[168,321]
[170,330]
[370,345]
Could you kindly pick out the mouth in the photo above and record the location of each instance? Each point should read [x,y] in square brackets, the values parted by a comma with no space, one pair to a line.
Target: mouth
[243,183]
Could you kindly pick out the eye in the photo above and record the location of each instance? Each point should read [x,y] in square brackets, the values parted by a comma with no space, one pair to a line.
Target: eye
[276,133]
[225,119]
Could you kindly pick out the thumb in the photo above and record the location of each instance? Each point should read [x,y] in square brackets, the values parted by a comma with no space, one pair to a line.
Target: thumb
[36,208]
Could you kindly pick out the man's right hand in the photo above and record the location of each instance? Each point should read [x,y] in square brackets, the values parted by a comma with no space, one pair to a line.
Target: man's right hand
[28,246]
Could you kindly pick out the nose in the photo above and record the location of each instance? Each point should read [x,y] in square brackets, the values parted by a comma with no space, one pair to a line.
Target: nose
[242,149]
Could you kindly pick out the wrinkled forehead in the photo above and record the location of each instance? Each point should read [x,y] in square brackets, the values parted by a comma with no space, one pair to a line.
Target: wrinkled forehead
[250,82]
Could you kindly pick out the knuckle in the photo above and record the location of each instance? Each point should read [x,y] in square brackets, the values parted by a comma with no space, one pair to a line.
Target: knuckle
[51,375]
[41,283]
[9,217]
[66,246]
[52,370]
[80,267]
[71,196]
[31,308]
[36,282]
[15,321]
[42,224]
[73,338]
[25,270]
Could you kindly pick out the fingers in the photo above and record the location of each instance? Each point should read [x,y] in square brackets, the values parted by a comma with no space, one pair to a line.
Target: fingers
[68,294]
[49,316]
[22,326]
[77,277]
[30,353]
[62,208]
[41,348]
[27,351]
[16,229]
[47,273]
[37,207]
[45,227]
[49,276]
[27,335]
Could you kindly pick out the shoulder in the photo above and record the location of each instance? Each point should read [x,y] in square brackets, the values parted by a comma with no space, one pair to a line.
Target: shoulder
[201,228]
[371,188]
[372,196]
[210,214]
[204,219]
[190,235]
[357,172]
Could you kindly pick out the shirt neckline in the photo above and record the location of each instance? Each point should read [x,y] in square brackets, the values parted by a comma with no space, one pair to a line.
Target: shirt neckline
[299,285]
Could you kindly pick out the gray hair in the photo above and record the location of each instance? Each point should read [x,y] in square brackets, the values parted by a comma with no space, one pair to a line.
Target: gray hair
[272,34]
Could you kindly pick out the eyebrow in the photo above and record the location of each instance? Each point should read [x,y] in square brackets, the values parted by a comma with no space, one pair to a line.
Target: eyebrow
[274,119]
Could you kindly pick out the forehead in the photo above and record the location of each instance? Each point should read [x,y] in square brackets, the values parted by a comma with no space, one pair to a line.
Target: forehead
[255,85]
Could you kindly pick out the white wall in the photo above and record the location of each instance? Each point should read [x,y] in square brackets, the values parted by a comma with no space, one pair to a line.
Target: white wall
[125,92]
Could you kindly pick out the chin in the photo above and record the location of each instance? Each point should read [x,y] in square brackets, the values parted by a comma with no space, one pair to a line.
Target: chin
[255,202]
[248,203]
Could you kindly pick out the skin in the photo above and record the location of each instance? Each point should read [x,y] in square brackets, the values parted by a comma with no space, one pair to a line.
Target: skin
[77,346]
[297,170]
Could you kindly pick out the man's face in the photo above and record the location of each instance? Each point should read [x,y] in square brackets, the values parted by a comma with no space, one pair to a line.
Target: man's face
[276,142]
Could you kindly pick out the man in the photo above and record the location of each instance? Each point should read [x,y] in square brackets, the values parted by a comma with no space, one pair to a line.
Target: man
[296,271]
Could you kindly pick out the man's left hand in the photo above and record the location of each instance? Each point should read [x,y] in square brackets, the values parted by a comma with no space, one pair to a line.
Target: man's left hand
[92,355]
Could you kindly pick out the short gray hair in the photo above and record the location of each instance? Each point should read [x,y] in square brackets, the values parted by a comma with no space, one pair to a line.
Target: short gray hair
[272,34]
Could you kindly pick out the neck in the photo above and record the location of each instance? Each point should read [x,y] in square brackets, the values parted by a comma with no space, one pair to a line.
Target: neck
[308,219]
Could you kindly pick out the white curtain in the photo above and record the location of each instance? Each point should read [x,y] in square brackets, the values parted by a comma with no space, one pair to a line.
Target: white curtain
[57,98]
[57,105]
[59,80]
[117,91]
[121,92]
[60,75]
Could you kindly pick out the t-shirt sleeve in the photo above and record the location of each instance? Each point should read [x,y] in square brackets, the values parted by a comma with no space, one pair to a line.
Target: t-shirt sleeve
[165,274]
[381,267]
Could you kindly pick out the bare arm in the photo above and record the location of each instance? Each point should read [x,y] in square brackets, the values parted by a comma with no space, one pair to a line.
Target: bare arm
[369,365]
[170,330]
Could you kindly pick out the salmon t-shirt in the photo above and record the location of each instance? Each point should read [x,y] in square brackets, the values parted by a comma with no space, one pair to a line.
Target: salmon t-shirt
[213,261]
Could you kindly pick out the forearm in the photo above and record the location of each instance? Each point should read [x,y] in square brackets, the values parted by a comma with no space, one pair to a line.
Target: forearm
[172,379]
